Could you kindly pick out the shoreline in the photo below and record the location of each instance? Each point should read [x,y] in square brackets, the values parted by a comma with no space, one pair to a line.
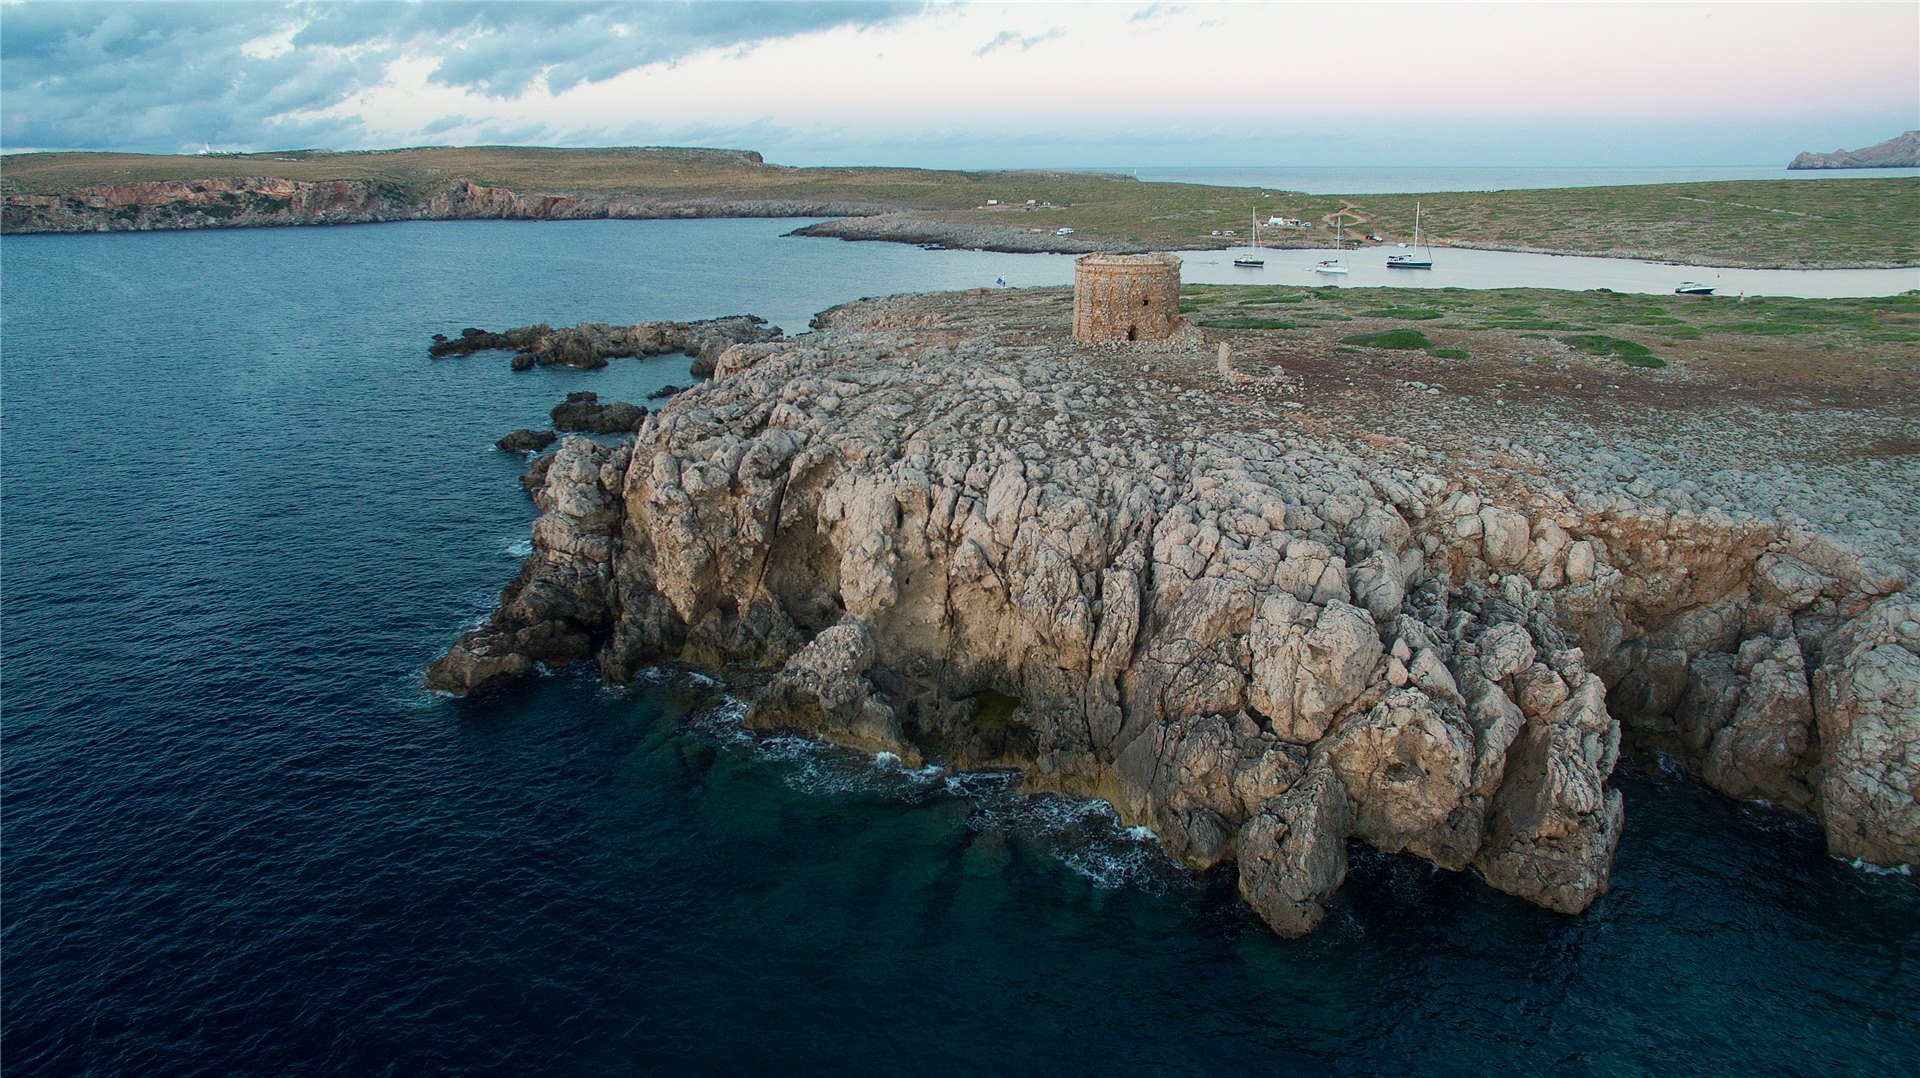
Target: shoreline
[910,230]
[1802,225]
[921,231]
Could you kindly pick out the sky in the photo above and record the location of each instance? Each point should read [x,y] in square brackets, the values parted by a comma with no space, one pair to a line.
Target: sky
[985,85]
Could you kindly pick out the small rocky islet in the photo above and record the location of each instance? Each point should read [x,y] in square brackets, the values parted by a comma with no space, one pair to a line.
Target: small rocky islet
[1264,592]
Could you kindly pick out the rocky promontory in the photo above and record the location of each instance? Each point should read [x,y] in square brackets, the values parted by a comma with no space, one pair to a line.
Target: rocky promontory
[1262,599]
[926,230]
[591,344]
[1900,151]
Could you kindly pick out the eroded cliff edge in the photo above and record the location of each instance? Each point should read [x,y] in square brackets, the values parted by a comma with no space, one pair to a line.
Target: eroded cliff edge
[262,201]
[943,529]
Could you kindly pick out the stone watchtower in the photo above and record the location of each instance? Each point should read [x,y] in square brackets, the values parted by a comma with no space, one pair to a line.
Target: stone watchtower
[1125,297]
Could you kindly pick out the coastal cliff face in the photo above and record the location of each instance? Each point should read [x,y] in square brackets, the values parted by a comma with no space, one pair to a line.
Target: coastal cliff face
[1900,151]
[245,202]
[1134,573]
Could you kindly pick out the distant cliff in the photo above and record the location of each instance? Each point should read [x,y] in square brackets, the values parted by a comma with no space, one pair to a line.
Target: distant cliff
[1901,151]
[270,200]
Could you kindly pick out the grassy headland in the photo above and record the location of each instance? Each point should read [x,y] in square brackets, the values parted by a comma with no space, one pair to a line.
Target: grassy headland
[1798,223]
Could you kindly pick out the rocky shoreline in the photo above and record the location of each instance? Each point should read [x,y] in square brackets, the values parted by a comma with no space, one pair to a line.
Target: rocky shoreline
[269,201]
[1252,613]
[265,201]
[591,344]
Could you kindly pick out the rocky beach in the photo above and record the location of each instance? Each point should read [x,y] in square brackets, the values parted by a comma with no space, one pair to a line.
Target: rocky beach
[1263,592]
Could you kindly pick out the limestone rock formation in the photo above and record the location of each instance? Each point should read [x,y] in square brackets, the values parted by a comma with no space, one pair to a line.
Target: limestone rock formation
[591,344]
[1293,853]
[1867,695]
[583,412]
[1900,151]
[1257,638]
[526,441]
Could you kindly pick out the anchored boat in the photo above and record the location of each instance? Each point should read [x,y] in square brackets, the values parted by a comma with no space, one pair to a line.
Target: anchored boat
[1412,261]
[1252,259]
[1332,265]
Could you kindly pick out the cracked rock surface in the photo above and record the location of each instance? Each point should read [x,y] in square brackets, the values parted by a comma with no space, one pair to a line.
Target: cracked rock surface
[940,528]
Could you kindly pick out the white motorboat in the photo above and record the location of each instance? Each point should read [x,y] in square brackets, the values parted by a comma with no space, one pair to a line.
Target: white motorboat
[1693,288]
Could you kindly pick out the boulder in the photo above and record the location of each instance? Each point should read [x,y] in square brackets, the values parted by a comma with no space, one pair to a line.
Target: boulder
[1293,853]
[527,441]
[1866,700]
[584,412]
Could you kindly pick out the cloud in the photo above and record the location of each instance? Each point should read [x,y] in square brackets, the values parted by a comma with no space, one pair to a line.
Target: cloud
[1008,39]
[164,77]
[1157,11]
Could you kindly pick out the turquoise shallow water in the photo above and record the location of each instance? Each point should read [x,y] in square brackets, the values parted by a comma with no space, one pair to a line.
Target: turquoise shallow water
[241,509]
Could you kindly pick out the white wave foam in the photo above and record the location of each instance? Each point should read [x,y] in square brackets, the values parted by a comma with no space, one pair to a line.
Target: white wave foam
[1114,868]
[722,721]
[1084,835]
[1872,869]
[519,548]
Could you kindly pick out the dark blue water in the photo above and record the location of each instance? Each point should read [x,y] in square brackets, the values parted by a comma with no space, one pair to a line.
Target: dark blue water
[241,509]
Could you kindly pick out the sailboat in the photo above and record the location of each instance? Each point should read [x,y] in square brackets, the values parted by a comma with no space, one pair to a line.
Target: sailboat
[1332,265]
[1252,259]
[1412,261]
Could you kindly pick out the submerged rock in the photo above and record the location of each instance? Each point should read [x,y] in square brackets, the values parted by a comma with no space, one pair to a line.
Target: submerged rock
[1258,639]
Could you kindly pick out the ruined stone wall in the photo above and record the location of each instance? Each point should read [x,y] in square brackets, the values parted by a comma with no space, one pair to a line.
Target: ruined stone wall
[1125,297]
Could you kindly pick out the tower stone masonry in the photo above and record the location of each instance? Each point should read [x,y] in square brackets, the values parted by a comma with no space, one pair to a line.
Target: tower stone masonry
[1125,297]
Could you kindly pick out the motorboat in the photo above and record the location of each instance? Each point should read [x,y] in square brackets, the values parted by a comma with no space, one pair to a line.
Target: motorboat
[1693,288]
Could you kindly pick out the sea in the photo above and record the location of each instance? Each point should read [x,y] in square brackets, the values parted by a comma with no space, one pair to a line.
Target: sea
[242,509]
